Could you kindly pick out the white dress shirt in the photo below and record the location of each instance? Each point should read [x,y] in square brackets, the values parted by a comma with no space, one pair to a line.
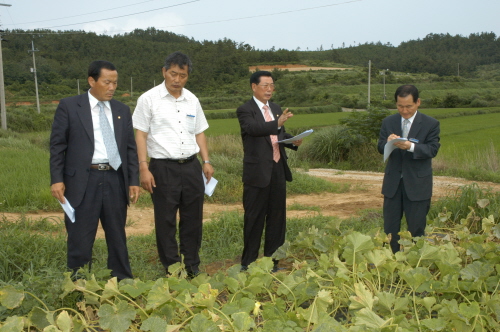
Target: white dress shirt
[412,148]
[100,154]
[171,124]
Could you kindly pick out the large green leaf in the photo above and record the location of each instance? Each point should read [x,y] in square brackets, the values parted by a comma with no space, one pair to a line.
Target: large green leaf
[156,324]
[416,277]
[64,322]
[135,287]
[116,318]
[370,319]
[437,324]
[38,318]
[205,297]
[477,271]
[159,294]
[201,323]
[469,311]
[13,324]
[242,321]
[363,298]
[356,244]
[10,297]
[110,290]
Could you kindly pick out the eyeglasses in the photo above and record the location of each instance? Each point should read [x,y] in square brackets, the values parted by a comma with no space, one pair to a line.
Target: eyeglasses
[266,86]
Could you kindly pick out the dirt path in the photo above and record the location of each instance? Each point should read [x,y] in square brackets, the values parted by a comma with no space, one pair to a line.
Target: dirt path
[364,193]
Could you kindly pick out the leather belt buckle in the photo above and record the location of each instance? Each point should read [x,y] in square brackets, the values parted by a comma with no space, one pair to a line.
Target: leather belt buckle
[103,167]
[182,161]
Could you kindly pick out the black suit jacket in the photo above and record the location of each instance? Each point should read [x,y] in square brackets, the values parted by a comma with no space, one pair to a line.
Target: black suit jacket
[72,145]
[415,167]
[258,151]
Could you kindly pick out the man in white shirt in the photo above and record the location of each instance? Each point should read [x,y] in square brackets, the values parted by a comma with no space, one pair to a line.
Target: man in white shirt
[170,126]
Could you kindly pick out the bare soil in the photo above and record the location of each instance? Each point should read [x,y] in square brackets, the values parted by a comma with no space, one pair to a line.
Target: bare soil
[364,193]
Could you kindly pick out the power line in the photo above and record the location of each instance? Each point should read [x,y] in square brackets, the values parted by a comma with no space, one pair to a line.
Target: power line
[262,15]
[112,18]
[91,13]
[200,23]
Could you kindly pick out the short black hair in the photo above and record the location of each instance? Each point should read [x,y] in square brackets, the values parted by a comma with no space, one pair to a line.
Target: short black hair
[255,78]
[406,90]
[179,59]
[96,66]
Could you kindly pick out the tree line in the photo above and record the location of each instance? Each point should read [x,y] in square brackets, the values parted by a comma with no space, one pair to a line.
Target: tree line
[63,56]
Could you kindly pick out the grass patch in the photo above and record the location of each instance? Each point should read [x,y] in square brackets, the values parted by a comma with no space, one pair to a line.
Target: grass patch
[302,207]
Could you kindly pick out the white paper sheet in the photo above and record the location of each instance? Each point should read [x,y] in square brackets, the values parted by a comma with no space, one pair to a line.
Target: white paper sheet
[68,209]
[296,138]
[389,147]
[209,187]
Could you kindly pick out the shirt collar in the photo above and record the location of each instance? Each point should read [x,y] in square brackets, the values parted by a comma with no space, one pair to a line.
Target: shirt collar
[164,92]
[410,119]
[260,104]
[93,101]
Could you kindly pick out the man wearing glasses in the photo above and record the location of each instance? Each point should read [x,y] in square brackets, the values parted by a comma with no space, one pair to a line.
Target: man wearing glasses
[265,169]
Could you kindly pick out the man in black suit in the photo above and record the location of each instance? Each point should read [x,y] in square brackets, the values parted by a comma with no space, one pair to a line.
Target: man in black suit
[407,185]
[265,169]
[94,166]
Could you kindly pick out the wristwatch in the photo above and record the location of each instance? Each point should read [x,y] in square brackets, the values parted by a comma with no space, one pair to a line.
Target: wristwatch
[207,162]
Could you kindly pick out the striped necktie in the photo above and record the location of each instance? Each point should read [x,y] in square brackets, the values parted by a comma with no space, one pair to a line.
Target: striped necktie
[274,138]
[109,139]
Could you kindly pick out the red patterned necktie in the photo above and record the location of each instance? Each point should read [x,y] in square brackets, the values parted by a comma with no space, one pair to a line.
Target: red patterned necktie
[274,138]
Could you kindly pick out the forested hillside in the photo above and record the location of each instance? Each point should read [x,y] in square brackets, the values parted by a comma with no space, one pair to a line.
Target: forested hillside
[440,54]
[63,57]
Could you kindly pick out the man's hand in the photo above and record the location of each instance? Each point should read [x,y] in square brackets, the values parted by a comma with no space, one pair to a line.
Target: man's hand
[283,117]
[297,142]
[403,145]
[134,192]
[391,137]
[147,180]
[57,190]
[208,170]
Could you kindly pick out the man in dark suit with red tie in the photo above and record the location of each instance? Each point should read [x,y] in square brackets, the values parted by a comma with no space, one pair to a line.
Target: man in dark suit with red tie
[94,166]
[265,169]
[407,185]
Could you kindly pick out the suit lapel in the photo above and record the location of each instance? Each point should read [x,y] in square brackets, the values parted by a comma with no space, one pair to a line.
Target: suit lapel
[415,126]
[85,115]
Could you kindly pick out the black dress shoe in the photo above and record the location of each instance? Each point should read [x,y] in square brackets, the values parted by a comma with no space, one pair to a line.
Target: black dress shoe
[192,273]
[243,268]
[275,267]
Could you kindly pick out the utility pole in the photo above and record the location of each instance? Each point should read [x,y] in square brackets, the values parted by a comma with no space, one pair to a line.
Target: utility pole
[34,72]
[130,86]
[78,84]
[369,78]
[2,85]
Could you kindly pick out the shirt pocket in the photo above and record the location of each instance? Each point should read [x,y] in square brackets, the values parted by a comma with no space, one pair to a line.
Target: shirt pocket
[190,123]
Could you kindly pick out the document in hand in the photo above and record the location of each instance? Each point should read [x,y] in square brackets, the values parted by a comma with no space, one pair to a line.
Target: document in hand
[296,138]
[209,187]
[389,146]
[69,210]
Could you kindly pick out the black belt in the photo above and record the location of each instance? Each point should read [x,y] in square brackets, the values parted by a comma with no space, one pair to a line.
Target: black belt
[102,167]
[179,161]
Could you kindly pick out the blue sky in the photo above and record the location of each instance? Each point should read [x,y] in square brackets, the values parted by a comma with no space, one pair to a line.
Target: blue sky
[283,24]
